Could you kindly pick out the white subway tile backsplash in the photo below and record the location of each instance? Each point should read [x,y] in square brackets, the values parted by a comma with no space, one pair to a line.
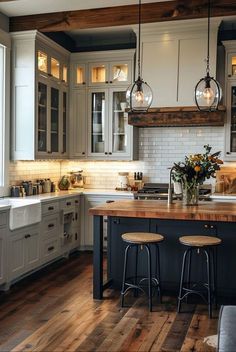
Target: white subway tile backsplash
[159,148]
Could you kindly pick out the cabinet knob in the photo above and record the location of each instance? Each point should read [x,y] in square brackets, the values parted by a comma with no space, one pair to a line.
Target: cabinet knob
[68,203]
[107,82]
[105,153]
[49,74]
[229,75]
[83,153]
[27,236]
[109,201]
[49,152]
[50,208]
[111,81]
[50,225]
[110,153]
[228,153]
[84,83]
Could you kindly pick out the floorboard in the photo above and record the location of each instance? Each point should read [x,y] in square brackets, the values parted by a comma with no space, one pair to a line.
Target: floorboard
[53,311]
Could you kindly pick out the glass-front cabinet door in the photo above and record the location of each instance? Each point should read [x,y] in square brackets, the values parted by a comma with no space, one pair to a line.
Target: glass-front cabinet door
[98,127]
[120,73]
[230,147]
[231,65]
[42,117]
[79,75]
[98,73]
[64,122]
[54,121]
[119,129]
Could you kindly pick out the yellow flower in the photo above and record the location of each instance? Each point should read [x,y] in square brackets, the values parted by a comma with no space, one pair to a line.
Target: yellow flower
[197,168]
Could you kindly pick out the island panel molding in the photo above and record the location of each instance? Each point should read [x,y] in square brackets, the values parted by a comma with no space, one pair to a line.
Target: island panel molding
[206,211]
[121,15]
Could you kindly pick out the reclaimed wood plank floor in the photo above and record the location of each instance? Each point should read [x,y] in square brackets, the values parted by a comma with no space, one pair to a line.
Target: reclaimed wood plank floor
[53,311]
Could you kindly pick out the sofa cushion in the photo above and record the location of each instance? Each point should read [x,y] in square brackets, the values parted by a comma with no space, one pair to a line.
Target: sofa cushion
[227,329]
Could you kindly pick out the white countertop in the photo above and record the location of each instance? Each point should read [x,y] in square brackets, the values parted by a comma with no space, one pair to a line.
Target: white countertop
[45,197]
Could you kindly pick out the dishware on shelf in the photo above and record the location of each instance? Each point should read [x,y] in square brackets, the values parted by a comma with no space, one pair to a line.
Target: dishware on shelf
[97,127]
[99,147]
[123,106]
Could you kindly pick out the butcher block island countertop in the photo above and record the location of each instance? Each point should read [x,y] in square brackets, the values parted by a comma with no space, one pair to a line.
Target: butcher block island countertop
[159,209]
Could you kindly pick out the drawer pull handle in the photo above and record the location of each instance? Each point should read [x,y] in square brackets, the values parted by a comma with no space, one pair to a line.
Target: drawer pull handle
[50,208]
[51,225]
[68,203]
[109,201]
[76,202]
[27,236]
[50,248]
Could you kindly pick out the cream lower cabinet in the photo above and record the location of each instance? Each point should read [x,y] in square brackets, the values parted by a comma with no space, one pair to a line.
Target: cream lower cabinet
[24,251]
[90,201]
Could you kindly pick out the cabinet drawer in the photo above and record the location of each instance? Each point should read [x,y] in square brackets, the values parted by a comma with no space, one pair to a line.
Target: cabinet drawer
[68,204]
[50,226]
[3,219]
[50,208]
[49,249]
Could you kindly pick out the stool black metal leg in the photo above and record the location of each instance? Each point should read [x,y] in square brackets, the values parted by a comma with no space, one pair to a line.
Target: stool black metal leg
[149,277]
[208,281]
[214,274]
[124,275]
[189,259]
[136,270]
[158,272]
[182,278]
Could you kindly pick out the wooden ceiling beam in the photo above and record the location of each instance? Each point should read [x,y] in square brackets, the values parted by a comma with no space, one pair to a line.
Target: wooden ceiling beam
[122,15]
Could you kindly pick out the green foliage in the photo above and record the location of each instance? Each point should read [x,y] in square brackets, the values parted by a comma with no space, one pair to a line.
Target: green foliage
[197,168]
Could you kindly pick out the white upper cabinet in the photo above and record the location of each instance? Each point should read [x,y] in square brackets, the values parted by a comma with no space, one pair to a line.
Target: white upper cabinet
[230,92]
[99,124]
[39,97]
[98,69]
[173,59]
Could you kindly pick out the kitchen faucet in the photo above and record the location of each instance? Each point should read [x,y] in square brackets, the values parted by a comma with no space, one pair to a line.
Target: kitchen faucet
[170,191]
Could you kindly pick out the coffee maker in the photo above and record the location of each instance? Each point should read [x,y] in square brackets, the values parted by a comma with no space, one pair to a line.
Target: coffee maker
[77,179]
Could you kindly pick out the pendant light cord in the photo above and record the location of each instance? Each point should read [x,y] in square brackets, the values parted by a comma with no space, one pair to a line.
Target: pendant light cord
[208,37]
[139,37]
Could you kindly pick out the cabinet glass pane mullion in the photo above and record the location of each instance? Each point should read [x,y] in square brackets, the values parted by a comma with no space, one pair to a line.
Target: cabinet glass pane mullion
[119,123]
[64,107]
[54,120]
[98,122]
[42,117]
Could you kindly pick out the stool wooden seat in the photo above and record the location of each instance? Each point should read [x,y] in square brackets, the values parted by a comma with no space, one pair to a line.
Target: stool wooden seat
[208,246]
[142,237]
[143,241]
[199,241]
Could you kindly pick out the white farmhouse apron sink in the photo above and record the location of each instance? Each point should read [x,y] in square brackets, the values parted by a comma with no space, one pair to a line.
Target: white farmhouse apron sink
[23,211]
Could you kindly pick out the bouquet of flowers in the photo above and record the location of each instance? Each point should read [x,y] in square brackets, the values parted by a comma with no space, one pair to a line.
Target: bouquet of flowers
[196,169]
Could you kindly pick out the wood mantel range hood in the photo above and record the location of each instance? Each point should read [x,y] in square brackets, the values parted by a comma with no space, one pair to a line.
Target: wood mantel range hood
[177,116]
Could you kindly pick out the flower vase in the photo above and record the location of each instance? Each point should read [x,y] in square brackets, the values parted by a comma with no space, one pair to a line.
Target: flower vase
[190,194]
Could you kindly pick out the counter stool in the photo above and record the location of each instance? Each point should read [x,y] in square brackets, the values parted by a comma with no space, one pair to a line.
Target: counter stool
[142,240]
[207,245]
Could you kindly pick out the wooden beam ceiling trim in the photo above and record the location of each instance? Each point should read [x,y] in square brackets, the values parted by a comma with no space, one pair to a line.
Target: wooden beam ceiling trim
[122,15]
[177,116]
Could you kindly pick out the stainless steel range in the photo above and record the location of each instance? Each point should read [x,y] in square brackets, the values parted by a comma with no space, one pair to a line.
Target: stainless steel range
[160,191]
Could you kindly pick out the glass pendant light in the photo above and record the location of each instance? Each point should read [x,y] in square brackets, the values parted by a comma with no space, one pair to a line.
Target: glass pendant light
[208,92]
[139,93]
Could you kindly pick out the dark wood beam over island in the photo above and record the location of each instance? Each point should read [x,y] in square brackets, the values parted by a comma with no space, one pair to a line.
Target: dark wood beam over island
[122,15]
[172,221]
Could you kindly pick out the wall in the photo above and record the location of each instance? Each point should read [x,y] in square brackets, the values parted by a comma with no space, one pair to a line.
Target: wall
[159,148]
[4,22]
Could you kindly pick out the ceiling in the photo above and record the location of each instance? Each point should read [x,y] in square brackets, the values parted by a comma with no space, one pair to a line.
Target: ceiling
[29,7]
